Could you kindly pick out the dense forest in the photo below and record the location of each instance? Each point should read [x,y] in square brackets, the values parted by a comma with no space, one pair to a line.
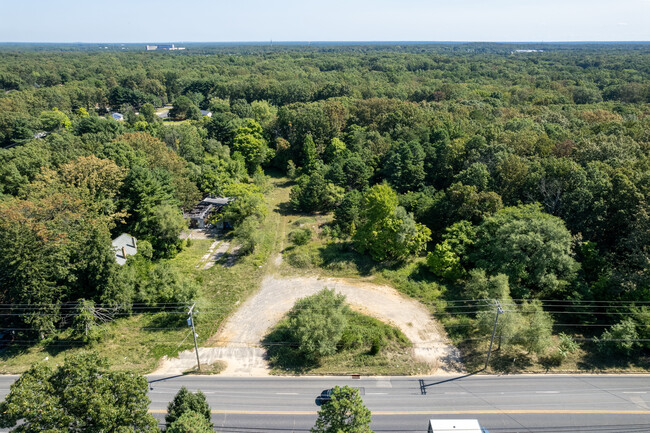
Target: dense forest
[517,176]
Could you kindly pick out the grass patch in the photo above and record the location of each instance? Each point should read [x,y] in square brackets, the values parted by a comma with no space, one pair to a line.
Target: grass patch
[368,347]
[137,342]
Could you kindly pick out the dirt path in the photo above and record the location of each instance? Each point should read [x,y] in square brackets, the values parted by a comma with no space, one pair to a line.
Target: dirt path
[242,332]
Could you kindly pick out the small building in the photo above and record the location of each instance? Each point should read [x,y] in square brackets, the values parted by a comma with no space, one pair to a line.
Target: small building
[124,245]
[118,116]
[206,113]
[455,426]
[166,47]
[199,216]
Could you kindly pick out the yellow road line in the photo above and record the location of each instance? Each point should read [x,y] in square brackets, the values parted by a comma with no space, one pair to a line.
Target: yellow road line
[436,412]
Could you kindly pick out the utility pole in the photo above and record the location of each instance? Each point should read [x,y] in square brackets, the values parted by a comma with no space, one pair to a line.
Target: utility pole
[494,330]
[196,346]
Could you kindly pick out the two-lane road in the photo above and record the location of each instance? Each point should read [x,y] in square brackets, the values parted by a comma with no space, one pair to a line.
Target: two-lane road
[530,403]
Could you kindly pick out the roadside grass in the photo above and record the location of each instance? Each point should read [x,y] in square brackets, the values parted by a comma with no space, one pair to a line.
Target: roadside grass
[138,341]
[368,347]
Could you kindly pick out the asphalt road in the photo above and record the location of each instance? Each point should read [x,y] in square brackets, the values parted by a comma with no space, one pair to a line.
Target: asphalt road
[537,403]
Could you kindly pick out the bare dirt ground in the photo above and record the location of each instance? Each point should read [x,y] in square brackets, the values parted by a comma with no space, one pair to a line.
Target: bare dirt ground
[238,341]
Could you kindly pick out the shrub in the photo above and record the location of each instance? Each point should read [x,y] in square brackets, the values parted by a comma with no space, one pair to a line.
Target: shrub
[317,323]
[619,339]
[300,237]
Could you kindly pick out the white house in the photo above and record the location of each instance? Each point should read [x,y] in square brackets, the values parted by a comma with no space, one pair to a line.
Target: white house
[124,245]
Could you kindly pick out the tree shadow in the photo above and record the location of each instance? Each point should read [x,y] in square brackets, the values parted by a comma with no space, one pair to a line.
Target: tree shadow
[506,362]
[597,360]
[283,354]
[165,320]
[339,256]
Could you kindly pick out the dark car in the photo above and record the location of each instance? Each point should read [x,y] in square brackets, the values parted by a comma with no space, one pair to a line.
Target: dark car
[326,395]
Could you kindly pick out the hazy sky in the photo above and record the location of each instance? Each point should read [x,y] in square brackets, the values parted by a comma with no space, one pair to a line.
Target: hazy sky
[332,20]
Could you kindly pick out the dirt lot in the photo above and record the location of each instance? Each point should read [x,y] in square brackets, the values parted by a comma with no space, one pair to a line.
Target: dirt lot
[238,341]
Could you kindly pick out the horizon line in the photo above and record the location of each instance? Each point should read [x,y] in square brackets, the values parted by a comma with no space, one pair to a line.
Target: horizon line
[271,41]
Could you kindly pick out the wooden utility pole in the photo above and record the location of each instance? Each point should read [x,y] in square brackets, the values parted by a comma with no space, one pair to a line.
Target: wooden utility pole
[196,346]
[494,330]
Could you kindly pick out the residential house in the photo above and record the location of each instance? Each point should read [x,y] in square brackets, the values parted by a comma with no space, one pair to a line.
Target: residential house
[124,245]
[199,216]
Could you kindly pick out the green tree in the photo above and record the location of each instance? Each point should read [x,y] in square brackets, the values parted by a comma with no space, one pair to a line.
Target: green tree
[345,413]
[480,286]
[387,231]
[444,263]
[184,108]
[313,193]
[59,399]
[54,119]
[162,227]
[250,142]
[190,422]
[185,402]
[309,158]
[317,323]
[148,112]
[531,247]
[346,216]
[249,202]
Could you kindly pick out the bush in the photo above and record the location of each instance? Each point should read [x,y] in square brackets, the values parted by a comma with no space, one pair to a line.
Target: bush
[300,237]
[378,343]
[317,323]
[166,285]
[299,259]
[619,339]
[567,345]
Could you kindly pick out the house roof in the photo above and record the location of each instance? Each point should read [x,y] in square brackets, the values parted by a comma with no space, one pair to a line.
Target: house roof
[124,243]
[217,200]
[208,205]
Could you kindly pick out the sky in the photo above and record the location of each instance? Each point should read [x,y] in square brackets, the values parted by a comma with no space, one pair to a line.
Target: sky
[332,20]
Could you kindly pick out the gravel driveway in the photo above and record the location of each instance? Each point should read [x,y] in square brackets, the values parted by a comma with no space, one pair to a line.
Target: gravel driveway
[244,330]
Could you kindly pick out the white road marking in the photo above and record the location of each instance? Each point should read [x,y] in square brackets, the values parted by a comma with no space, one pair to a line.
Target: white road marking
[547,392]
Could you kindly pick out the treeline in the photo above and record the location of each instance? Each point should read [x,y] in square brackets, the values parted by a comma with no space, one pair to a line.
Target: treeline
[531,167]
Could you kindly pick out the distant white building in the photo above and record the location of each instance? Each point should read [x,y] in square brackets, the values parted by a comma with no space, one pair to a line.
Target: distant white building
[124,245]
[167,47]
[206,113]
[118,116]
